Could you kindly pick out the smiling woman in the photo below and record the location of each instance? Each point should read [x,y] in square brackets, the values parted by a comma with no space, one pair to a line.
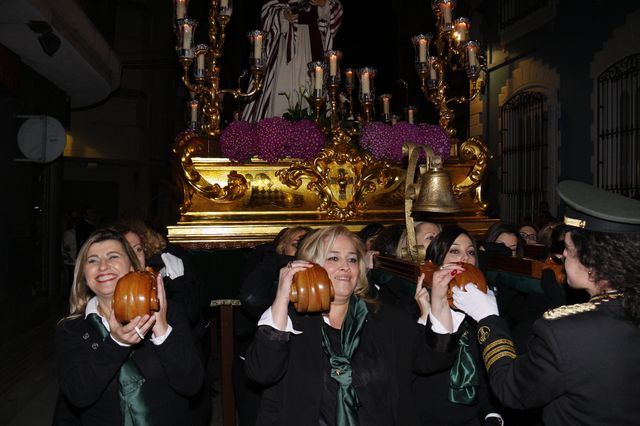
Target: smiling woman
[456,396]
[136,373]
[106,263]
[352,364]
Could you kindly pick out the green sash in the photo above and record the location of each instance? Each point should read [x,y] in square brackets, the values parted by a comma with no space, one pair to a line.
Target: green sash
[463,377]
[347,399]
[135,411]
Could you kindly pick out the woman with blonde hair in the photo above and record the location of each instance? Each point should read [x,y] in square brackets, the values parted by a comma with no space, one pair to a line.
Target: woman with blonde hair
[111,373]
[425,233]
[352,364]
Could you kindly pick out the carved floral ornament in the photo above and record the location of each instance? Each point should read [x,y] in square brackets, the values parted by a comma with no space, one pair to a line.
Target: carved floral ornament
[474,149]
[188,145]
[341,175]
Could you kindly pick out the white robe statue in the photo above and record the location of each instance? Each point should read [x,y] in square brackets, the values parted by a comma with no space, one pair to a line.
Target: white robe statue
[294,40]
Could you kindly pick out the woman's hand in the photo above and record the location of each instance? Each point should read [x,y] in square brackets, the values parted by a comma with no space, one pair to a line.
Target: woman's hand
[473,302]
[368,258]
[439,290]
[161,325]
[133,332]
[422,298]
[279,308]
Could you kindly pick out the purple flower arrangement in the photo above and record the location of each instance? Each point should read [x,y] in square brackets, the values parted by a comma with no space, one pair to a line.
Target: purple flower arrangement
[275,138]
[272,139]
[238,141]
[384,141]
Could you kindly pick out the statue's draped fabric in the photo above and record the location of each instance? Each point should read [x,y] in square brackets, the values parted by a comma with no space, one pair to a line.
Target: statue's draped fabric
[289,48]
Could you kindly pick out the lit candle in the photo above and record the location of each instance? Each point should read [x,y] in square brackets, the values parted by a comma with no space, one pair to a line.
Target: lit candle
[181,9]
[433,75]
[364,82]
[422,51]
[333,65]
[194,112]
[410,115]
[318,80]
[349,74]
[187,34]
[462,29]
[257,46]
[445,8]
[385,104]
[224,3]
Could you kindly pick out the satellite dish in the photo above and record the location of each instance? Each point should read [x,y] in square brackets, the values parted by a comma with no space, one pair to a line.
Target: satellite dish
[42,139]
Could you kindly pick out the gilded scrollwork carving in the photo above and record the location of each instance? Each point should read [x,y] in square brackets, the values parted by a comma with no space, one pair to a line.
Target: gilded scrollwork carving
[474,149]
[341,176]
[189,145]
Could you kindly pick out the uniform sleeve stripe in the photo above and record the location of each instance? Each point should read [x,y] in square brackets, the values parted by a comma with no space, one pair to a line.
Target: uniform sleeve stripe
[489,362]
[498,350]
[495,343]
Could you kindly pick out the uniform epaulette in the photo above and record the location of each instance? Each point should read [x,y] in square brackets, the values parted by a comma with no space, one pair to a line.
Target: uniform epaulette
[567,310]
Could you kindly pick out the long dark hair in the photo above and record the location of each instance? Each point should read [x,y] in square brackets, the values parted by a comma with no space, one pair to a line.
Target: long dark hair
[498,228]
[439,247]
[616,259]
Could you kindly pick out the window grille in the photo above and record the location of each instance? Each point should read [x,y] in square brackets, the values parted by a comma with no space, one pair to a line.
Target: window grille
[618,142]
[523,151]
[514,10]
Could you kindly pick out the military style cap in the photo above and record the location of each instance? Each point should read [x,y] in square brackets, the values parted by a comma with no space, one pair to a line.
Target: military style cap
[595,209]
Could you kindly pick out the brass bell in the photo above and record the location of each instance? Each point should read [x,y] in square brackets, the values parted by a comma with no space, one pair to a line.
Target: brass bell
[431,193]
[435,190]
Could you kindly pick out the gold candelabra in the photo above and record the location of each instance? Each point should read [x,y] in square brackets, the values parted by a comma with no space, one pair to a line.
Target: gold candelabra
[204,85]
[454,52]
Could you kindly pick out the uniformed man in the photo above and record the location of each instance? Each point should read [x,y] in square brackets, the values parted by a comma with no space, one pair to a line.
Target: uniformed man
[583,362]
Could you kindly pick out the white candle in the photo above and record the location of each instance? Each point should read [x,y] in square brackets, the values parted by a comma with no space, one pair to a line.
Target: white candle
[385,105]
[257,46]
[364,82]
[181,9]
[473,60]
[433,75]
[224,3]
[186,37]
[318,80]
[200,63]
[463,33]
[349,74]
[194,112]
[445,8]
[410,115]
[422,51]
[333,65]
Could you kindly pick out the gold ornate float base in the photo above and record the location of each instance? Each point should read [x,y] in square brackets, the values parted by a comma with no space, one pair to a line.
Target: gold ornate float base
[227,204]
